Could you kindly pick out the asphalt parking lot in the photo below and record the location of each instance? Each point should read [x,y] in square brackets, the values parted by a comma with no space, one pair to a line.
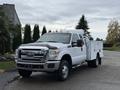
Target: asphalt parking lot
[105,77]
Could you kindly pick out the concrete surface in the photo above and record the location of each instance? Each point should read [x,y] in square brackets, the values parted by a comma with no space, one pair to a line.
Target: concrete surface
[6,78]
[105,77]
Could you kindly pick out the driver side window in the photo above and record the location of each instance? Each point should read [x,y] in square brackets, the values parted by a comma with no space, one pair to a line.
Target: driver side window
[75,38]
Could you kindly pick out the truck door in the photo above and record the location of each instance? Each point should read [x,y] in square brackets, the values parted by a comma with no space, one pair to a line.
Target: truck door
[76,51]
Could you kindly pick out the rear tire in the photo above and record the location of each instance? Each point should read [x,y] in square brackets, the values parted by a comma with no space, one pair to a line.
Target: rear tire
[24,73]
[64,70]
[100,61]
[94,63]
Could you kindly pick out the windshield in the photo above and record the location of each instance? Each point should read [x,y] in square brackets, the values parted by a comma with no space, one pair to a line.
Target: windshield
[56,37]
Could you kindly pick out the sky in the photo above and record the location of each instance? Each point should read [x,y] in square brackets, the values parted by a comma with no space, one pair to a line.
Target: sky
[62,14]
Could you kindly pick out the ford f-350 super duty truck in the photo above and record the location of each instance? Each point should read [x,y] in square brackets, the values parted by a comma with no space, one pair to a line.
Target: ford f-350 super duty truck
[58,52]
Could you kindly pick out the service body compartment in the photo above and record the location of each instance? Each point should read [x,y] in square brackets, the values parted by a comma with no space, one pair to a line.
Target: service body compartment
[94,47]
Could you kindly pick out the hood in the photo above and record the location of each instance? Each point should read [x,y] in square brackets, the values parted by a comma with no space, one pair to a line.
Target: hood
[43,45]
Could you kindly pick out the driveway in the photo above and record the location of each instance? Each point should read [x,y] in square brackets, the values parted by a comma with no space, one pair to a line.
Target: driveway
[105,77]
[6,78]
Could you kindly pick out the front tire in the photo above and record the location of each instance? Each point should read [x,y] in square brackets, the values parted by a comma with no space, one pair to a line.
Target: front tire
[24,73]
[64,70]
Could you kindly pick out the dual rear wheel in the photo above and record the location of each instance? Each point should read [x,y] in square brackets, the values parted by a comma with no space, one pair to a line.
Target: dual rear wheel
[95,63]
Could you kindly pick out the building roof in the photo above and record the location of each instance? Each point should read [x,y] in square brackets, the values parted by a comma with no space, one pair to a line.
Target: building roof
[10,13]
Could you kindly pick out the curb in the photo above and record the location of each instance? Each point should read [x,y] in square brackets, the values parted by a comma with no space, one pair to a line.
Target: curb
[10,81]
[11,70]
[15,78]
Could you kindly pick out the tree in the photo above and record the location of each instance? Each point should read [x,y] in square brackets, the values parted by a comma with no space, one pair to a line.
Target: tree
[49,31]
[44,30]
[14,32]
[56,31]
[98,39]
[4,37]
[27,34]
[17,40]
[36,33]
[82,24]
[113,32]
[4,25]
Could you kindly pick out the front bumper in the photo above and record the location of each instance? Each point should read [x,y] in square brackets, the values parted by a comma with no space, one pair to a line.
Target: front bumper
[49,66]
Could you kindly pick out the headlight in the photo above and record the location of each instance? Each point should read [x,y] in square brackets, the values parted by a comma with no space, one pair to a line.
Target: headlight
[53,53]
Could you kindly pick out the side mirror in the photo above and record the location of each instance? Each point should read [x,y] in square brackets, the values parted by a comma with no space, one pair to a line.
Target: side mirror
[80,43]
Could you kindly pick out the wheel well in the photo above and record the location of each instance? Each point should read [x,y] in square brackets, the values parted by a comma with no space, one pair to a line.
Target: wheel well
[68,58]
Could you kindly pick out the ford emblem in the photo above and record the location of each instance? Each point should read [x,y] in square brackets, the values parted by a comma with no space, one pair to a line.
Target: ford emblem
[30,54]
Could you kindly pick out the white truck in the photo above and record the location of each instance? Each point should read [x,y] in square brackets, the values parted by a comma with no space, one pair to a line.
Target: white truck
[58,52]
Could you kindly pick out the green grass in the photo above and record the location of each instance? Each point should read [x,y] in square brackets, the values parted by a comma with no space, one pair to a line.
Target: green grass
[112,48]
[7,65]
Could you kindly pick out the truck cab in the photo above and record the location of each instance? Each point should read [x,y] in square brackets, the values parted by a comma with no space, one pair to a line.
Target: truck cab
[58,52]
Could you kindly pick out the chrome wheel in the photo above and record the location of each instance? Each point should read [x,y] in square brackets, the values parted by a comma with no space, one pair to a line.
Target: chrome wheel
[65,71]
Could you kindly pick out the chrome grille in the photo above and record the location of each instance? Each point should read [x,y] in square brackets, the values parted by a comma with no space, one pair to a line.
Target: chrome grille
[33,55]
